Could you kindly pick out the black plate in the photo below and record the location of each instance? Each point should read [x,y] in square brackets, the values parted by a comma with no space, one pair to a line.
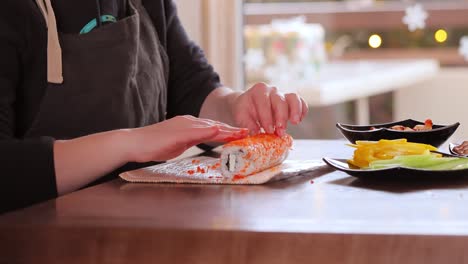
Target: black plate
[435,137]
[394,173]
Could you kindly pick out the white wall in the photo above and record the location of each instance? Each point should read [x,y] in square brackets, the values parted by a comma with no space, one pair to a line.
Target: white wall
[189,13]
[444,99]
[216,26]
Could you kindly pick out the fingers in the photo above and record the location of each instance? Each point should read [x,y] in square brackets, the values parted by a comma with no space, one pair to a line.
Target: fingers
[248,122]
[229,133]
[252,120]
[272,110]
[260,107]
[305,109]
[245,115]
[198,135]
[203,122]
[262,103]
[295,107]
[225,132]
[280,112]
[230,129]
[227,136]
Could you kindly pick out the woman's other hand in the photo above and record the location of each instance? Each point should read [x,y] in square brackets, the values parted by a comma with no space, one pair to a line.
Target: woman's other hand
[170,138]
[81,160]
[263,106]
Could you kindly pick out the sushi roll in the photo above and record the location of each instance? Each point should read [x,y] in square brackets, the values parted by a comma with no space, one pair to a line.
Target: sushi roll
[254,154]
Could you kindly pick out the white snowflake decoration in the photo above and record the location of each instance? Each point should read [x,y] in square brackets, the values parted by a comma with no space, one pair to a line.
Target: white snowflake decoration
[415,17]
[463,49]
[254,59]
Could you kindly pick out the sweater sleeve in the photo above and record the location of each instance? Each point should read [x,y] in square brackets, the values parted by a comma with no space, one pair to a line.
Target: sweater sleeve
[191,77]
[26,166]
[27,171]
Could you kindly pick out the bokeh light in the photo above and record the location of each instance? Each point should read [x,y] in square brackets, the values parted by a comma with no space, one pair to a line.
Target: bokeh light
[440,36]
[375,41]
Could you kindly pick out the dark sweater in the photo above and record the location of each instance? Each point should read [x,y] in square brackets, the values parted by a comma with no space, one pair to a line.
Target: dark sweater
[27,165]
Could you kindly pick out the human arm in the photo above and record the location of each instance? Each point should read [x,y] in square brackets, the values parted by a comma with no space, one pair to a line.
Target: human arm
[261,106]
[195,88]
[82,160]
[36,169]
[191,77]
[26,166]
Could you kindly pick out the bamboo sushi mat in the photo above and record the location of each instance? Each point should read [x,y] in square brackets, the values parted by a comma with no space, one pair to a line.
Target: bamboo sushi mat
[206,170]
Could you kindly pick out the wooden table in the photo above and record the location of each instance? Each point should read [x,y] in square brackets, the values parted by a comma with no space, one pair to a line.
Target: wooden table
[324,217]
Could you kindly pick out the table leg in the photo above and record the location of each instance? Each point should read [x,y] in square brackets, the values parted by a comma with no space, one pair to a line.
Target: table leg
[362,111]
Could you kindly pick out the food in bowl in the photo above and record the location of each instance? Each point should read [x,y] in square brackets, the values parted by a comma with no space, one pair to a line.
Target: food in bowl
[427,126]
[435,136]
[461,149]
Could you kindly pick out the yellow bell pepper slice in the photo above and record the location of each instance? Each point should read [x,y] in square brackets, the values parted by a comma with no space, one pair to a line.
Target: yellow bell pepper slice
[384,149]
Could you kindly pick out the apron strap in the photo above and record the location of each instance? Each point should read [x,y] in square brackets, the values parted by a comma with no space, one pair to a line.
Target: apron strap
[54,51]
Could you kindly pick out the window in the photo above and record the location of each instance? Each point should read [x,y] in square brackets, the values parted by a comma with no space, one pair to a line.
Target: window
[358,20]
[289,43]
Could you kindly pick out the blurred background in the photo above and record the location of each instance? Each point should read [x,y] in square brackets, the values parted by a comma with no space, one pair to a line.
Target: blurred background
[354,61]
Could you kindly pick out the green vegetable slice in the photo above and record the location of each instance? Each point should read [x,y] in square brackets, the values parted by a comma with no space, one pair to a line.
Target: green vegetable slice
[424,161]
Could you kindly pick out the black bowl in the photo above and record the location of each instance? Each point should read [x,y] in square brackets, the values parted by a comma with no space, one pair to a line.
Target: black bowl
[435,137]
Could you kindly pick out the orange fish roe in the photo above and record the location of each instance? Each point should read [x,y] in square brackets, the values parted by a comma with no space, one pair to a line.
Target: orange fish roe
[215,166]
[263,150]
[267,140]
[275,169]
[201,170]
[191,172]
[195,161]
[238,177]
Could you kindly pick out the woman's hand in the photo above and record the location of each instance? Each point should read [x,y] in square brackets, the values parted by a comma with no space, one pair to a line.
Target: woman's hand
[262,106]
[170,138]
[81,160]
